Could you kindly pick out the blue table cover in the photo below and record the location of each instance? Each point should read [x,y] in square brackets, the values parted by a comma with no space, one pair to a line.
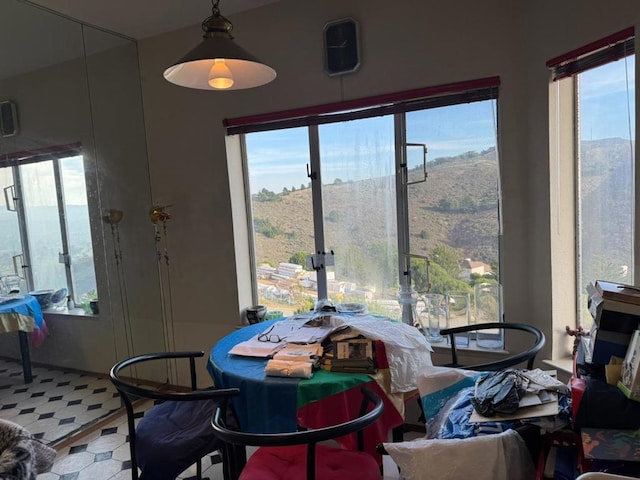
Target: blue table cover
[247,374]
[27,306]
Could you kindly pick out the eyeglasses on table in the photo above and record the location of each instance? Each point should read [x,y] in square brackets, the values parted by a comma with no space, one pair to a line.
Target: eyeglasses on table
[267,336]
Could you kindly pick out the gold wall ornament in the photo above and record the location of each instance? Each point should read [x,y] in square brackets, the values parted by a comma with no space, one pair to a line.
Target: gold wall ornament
[157,214]
[113,216]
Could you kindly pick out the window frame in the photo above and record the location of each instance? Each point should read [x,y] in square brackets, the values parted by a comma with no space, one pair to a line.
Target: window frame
[565,176]
[398,104]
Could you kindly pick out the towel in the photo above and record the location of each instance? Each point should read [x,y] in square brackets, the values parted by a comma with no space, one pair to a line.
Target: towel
[289,368]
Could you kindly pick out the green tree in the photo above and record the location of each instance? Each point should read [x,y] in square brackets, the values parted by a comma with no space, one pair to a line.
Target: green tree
[448,258]
[334,216]
[442,282]
[264,226]
[266,196]
[299,258]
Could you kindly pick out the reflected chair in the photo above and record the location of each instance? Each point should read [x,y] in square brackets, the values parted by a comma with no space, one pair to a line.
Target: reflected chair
[176,432]
[298,456]
[528,355]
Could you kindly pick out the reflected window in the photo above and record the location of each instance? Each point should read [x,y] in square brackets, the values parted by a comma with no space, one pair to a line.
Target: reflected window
[44,224]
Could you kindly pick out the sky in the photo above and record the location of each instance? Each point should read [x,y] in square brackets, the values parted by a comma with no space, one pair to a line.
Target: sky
[606,111]
[364,148]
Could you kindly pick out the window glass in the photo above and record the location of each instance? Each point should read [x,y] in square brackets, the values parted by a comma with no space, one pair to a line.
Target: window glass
[281,207]
[10,245]
[79,230]
[360,221]
[43,225]
[345,191]
[605,183]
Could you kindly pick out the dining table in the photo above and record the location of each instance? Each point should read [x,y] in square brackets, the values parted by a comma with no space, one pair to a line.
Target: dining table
[275,404]
[22,314]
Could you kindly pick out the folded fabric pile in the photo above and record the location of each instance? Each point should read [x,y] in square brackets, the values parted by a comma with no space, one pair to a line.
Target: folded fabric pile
[289,368]
[294,361]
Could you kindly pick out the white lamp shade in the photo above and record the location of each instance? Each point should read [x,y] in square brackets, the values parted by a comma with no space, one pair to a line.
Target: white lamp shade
[193,69]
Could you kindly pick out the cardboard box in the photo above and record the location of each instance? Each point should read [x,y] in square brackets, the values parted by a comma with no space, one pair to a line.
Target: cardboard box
[607,344]
[616,312]
[629,382]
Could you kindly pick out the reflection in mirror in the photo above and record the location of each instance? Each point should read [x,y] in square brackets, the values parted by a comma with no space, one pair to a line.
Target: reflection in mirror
[74,221]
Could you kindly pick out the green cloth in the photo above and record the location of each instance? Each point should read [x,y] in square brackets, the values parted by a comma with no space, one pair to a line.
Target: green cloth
[324,384]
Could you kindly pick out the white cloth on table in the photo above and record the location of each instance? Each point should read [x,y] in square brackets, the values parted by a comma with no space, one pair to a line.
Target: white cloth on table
[408,352]
[502,456]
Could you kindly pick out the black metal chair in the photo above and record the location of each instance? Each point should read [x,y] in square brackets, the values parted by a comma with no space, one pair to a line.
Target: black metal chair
[297,455]
[528,355]
[176,432]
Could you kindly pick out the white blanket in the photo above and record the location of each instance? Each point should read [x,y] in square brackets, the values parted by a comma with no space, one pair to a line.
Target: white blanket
[408,352]
[502,456]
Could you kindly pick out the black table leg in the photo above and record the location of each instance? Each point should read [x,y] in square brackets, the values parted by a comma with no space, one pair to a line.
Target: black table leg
[26,359]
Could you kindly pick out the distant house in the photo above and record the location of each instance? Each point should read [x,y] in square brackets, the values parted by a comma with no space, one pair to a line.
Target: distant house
[471,266]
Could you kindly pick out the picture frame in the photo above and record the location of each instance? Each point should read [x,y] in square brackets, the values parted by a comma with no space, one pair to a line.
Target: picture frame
[355,349]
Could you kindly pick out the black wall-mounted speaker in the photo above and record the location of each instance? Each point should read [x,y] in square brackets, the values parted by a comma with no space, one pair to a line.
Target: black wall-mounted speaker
[8,119]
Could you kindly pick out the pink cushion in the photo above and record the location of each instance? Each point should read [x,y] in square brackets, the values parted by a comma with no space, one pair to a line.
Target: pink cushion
[290,463]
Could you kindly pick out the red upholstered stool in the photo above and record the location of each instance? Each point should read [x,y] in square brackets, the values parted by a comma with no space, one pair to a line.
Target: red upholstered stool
[300,455]
[276,463]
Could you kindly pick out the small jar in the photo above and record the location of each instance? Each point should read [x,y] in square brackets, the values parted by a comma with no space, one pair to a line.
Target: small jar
[70,303]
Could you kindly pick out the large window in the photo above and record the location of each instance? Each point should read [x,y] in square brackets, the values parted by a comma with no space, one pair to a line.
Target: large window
[601,79]
[44,223]
[405,192]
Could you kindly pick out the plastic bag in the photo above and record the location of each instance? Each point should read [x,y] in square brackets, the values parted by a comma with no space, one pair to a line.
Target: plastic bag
[496,393]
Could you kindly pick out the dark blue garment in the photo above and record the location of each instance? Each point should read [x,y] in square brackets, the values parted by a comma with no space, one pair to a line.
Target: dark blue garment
[172,436]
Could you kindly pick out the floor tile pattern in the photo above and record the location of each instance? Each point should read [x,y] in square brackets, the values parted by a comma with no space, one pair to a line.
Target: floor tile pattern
[103,454]
[57,404]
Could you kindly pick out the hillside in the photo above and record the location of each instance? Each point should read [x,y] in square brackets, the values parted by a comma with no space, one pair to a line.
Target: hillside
[440,211]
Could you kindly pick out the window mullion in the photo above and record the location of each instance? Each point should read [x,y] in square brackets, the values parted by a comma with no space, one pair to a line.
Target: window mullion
[22,225]
[318,215]
[64,234]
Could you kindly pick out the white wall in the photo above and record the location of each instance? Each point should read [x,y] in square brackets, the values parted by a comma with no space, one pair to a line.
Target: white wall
[405,44]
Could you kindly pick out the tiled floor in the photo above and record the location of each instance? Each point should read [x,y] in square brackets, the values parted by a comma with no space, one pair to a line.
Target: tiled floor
[57,403]
[104,455]
[69,411]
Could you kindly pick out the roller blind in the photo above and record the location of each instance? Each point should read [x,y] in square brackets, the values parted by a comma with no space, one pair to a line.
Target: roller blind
[595,54]
[406,101]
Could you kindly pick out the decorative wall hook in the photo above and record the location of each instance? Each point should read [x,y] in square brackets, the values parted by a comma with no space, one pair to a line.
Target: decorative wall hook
[157,213]
[113,216]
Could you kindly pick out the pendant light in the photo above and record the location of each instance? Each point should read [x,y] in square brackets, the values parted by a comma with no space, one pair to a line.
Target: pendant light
[218,63]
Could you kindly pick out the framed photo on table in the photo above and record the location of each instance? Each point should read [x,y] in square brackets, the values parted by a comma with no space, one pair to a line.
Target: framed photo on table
[354,349]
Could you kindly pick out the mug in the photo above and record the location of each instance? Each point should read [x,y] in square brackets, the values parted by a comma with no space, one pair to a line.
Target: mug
[256,313]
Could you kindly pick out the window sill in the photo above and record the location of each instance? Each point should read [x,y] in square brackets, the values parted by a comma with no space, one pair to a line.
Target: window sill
[563,364]
[472,347]
[64,312]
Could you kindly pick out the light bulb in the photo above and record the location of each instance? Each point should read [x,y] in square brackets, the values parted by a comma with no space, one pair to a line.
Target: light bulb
[220,77]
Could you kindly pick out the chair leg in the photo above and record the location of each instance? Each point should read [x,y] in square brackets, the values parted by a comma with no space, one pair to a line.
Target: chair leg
[234,457]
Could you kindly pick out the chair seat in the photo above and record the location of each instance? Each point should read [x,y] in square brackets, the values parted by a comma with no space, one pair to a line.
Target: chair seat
[290,463]
[172,436]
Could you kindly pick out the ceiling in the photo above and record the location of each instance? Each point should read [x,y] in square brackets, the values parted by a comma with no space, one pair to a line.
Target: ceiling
[144,18]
